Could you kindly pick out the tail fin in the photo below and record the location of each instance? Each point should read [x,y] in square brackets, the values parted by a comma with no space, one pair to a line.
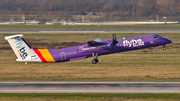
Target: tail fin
[22,50]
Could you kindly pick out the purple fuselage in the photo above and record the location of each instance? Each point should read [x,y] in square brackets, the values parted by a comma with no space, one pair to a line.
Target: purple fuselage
[106,47]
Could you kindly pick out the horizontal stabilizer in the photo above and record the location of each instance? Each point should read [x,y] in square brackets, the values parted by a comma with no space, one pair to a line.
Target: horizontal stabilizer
[14,37]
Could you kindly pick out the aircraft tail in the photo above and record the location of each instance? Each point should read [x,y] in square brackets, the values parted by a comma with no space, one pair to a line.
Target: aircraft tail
[22,50]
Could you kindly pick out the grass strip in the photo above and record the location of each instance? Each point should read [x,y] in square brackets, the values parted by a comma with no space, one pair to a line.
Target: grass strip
[89,97]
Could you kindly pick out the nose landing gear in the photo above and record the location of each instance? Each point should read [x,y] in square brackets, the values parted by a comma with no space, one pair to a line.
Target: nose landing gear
[164,47]
[95,60]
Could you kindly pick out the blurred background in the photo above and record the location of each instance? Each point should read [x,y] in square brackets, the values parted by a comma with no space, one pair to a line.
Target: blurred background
[83,11]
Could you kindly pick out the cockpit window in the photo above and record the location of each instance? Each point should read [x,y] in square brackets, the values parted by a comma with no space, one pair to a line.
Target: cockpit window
[157,36]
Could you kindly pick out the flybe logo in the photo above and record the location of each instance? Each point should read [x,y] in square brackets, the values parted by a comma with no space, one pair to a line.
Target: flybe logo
[21,49]
[134,43]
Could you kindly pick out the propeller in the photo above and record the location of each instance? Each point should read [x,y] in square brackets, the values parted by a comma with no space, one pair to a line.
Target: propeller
[114,41]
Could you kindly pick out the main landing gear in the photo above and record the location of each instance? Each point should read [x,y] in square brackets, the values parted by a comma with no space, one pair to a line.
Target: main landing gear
[164,47]
[95,60]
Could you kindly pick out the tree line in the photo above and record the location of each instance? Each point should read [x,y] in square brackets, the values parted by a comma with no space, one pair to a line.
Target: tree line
[113,7]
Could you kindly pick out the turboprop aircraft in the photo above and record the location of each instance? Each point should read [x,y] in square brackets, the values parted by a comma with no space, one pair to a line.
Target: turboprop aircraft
[93,48]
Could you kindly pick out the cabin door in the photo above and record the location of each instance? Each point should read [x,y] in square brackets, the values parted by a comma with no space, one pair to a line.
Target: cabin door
[63,56]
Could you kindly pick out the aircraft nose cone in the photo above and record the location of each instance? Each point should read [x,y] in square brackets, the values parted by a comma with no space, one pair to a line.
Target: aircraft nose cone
[163,41]
[167,41]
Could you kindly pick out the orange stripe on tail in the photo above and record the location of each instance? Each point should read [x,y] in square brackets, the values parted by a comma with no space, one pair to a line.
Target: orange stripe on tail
[45,55]
[40,55]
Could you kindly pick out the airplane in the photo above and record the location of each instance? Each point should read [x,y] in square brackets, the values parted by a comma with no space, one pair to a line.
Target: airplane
[93,48]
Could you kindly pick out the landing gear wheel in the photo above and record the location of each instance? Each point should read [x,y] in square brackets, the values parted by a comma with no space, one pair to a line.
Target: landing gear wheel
[164,48]
[97,60]
[94,61]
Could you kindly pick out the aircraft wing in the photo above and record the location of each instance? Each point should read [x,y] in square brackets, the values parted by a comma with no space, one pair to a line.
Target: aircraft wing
[96,42]
[93,43]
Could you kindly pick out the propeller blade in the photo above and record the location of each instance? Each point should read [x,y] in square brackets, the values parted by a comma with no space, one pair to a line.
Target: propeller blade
[114,36]
[115,48]
[114,41]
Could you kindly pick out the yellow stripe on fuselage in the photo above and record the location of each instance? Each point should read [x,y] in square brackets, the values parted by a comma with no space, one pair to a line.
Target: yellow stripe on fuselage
[47,56]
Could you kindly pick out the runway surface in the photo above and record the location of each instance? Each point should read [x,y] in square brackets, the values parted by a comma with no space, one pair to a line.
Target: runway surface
[89,31]
[89,87]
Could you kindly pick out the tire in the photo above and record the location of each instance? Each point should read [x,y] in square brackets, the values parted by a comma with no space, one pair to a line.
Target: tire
[164,48]
[94,61]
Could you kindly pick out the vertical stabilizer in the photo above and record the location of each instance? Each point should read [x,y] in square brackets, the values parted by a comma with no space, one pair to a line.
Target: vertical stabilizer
[22,50]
